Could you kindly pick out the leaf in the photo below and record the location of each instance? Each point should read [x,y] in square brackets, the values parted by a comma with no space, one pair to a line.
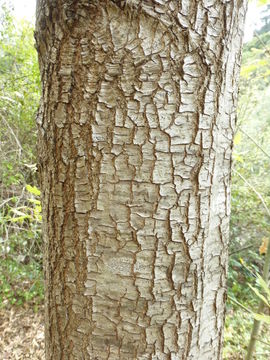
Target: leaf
[37,213]
[241,261]
[7,98]
[37,209]
[264,245]
[237,138]
[264,286]
[19,95]
[18,212]
[33,190]
[238,157]
[19,218]
[34,201]
[263,298]
[262,317]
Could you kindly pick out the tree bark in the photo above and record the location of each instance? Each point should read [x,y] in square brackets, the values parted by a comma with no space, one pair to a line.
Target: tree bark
[136,123]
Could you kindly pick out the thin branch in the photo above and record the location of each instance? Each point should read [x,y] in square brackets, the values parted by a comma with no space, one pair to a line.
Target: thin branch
[262,42]
[12,132]
[257,323]
[263,342]
[239,304]
[5,201]
[255,191]
[242,112]
[242,249]
[255,142]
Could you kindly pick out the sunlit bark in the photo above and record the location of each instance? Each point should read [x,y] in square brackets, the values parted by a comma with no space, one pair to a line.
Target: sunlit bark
[135,138]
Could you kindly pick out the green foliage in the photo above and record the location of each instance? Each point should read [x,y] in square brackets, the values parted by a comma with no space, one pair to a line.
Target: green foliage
[20,248]
[238,278]
[263,293]
[20,209]
[20,282]
[238,325]
[19,97]
[30,213]
[263,2]
[250,222]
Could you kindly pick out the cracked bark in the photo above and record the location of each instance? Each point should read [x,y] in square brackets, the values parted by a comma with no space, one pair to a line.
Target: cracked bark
[136,123]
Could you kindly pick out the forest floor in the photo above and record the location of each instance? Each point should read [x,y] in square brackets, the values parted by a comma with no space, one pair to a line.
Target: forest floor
[21,334]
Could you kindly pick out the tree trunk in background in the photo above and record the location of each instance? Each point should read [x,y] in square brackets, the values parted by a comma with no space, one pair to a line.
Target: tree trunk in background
[135,139]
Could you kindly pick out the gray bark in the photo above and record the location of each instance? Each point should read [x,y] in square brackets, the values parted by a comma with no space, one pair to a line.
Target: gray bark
[136,125]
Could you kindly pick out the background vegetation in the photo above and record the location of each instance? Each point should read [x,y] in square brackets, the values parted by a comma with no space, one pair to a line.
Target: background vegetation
[20,218]
[20,241]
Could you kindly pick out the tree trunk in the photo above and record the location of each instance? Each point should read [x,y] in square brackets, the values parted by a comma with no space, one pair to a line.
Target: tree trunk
[135,138]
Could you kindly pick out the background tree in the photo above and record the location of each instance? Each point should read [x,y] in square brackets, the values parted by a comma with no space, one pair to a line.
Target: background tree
[135,135]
